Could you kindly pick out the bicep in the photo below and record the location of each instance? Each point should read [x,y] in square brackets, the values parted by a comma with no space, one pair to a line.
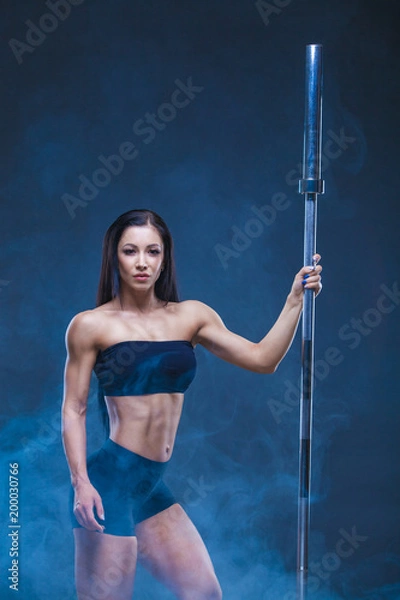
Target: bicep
[81,356]
[76,384]
[231,347]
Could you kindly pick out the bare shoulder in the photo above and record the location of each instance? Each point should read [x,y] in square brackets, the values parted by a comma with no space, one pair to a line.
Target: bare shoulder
[202,319]
[191,305]
[84,328]
[195,309]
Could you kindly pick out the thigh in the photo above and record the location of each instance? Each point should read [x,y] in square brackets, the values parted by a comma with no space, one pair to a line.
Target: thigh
[105,565]
[171,548]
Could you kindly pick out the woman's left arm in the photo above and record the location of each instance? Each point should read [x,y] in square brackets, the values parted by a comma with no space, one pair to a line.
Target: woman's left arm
[264,356]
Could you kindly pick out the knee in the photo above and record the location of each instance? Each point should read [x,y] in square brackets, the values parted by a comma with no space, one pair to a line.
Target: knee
[208,590]
[211,590]
[216,592]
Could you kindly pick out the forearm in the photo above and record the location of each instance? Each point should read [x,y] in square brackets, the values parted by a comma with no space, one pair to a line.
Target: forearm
[274,346]
[74,440]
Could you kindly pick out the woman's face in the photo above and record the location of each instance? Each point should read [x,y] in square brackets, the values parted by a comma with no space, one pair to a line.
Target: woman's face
[140,257]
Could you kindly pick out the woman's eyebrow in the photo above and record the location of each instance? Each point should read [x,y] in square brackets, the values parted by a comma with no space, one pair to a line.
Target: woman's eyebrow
[148,245]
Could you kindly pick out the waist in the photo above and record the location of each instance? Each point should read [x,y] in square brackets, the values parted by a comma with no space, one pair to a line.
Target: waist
[126,459]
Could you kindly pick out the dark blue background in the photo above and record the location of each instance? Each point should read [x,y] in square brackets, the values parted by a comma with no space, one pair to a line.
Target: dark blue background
[236,145]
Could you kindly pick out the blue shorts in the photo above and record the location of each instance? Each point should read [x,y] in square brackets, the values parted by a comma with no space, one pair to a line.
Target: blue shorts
[131,488]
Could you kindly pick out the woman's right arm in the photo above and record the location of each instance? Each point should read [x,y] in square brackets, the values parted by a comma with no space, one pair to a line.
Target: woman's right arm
[81,356]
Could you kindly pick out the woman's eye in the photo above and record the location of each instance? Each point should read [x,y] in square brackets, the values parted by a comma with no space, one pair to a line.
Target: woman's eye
[154,252]
[128,251]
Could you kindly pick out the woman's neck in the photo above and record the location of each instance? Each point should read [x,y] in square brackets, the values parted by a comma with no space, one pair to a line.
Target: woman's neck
[143,303]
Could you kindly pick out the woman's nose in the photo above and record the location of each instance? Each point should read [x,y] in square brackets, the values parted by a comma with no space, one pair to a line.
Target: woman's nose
[141,261]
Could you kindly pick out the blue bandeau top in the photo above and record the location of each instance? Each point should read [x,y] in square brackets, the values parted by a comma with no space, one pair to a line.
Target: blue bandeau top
[134,368]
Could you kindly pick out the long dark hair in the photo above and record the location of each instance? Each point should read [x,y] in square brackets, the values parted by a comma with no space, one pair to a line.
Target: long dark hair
[166,288]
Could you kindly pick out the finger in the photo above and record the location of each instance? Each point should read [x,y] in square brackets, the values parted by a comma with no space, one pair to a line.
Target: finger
[316,258]
[77,512]
[313,285]
[91,521]
[312,277]
[315,267]
[99,508]
[80,514]
[307,272]
[92,524]
[85,517]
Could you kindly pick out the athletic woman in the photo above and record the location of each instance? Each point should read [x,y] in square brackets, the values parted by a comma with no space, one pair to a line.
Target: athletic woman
[139,341]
